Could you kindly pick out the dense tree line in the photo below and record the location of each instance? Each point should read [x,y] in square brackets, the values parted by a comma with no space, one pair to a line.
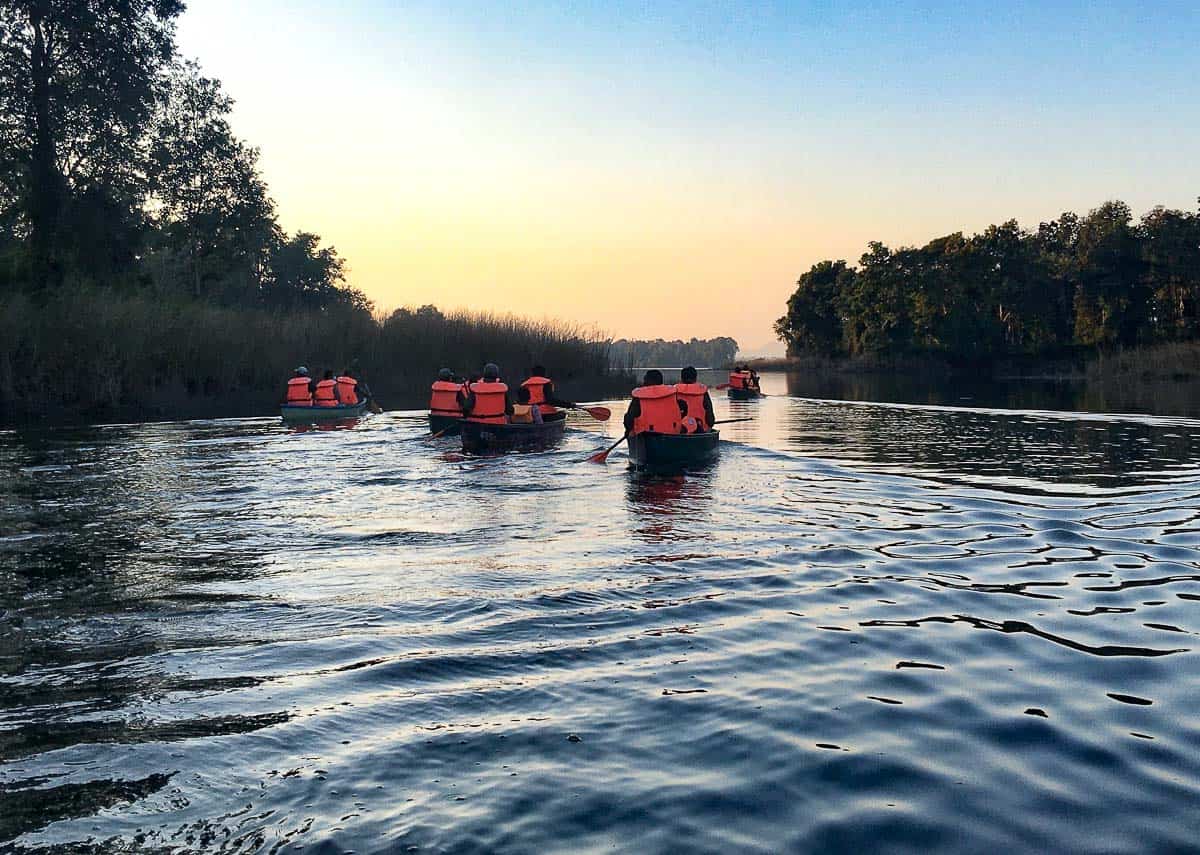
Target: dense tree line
[119,170]
[700,352]
[1099,281]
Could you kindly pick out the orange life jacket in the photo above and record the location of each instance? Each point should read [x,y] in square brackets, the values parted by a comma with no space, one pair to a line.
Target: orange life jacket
[443,401]
[298,392]
[490,402]
[738,379]
[346,391]
[537,394]
[325,396]
[659,410]
[692,394]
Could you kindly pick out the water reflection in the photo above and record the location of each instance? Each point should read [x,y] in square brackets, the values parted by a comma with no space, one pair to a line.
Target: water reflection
[866,626]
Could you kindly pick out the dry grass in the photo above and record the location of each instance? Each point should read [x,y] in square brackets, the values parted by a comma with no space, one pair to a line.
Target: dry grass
[93,354]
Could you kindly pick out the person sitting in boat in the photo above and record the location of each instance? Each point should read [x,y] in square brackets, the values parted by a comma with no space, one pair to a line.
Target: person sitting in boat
[525,412]
[346,389]
[655,407]
[488,400]
[738,377]
[443,397]
[325,392]
[300,389]
[541,393]
[752,381]
[363,390]
[697,406]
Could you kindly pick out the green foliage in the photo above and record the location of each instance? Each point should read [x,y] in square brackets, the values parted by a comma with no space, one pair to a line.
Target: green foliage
[699,352]
[1098,281]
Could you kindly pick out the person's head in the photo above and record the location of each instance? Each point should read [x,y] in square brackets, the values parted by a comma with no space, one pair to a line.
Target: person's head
[301,371]
[491,371]
[687,375]
[354,368]
[445,374]
[539,371]
[476,377]
[523,395]
[328,375]
[653,377]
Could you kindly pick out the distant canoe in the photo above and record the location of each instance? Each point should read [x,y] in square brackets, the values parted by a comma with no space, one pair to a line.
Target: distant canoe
[445,425]
[744,394]
[478,438]
[322,414]
[673,451]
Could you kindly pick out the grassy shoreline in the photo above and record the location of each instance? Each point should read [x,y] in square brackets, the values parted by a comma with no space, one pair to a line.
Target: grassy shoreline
[1171,362]
[92,356]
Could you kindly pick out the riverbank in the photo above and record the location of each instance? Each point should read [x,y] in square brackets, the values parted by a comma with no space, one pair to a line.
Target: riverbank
[1175,362]
[96,356]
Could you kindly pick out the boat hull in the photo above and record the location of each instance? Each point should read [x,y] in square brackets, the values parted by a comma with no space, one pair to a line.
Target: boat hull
[445,425]
[480,438]
[321,414]
[673,451]
[744,394]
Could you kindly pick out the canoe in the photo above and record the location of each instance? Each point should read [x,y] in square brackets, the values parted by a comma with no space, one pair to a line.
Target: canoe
[445,425]
[673,451]
[480,438]
[744,394]
[321,414]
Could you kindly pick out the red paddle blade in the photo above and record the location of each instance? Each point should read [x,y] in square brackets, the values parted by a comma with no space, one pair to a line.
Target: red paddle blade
[600,456]
[600,414]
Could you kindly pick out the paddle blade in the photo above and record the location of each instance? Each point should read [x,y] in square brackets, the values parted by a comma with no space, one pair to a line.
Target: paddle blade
[600,456]
[600,414]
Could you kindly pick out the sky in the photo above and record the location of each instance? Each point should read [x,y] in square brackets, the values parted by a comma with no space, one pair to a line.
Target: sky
[668,169]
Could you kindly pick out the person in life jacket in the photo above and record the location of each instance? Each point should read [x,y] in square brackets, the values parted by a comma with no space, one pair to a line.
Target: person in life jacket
[697,406]
[655,407]
[541,393]
[346,389]
[299,391]
[443,396]
[525,412]
[488,400]
[325,393]
[362,390]
[741,378]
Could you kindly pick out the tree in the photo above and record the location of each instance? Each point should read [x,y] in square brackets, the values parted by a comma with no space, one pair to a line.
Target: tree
[215,218]
[78,82]
[813,322]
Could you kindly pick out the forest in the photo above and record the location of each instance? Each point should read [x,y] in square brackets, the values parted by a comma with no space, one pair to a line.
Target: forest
[1100,282]
[700,352]
[143,270]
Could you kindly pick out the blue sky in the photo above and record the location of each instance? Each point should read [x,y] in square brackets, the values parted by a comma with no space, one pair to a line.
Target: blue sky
[608,162]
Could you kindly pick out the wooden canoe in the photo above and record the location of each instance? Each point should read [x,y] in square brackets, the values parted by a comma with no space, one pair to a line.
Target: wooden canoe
[321,414]
[478,438]
[673,451]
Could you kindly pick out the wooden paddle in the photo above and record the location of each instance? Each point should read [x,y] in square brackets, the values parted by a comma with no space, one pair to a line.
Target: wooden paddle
[733,421]
[600,414]
[602,456]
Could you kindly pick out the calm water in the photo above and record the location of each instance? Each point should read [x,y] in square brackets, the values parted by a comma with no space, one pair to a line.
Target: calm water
[868,628]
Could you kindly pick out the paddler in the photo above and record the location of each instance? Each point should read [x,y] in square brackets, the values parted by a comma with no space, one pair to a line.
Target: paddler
[325,392]
[525,412]
[696,405]
[443,396]
[655,408]
[299,391]
[346,389]
[488,400]
[541,393]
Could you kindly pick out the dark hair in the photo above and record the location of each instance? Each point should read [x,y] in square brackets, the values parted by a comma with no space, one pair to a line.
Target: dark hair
[328,373]
[653,378]
[687,375]
[523,394]
[539,371]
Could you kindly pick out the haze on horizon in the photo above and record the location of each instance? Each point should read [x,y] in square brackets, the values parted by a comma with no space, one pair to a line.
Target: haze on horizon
[669,170]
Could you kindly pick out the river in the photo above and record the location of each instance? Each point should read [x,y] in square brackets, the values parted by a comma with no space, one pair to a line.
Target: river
[868,627]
